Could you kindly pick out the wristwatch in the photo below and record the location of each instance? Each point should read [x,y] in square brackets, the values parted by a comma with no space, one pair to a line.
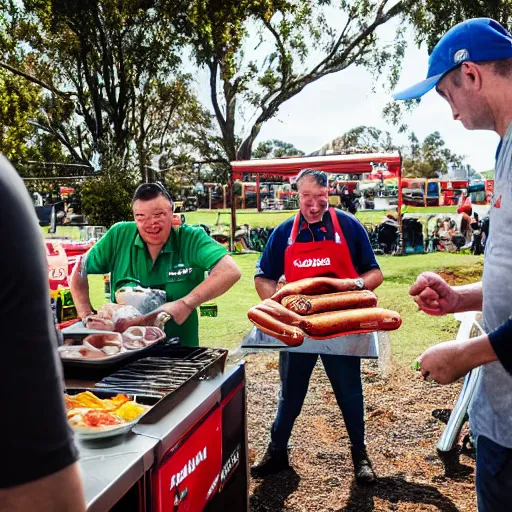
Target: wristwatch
[359,283]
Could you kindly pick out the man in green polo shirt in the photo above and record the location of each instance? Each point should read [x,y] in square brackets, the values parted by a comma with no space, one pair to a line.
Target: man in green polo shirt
[151,253]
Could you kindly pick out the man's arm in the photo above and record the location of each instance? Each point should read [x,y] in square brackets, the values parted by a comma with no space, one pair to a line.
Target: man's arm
[265,287]
[79,286]
[60,492]
[372,279]
[446,362]
[221,278]
[470,297]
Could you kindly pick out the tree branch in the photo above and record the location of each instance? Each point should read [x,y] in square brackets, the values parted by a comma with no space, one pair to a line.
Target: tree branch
[35,80]
[285,64]
[49,129]
[213,91]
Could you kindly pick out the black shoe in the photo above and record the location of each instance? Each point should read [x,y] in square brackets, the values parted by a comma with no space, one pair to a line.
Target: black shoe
[363,470]
[272,462]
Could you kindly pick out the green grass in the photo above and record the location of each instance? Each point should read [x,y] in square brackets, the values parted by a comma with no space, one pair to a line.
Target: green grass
[274,218]
[254,219]
[418,331]
[251,217]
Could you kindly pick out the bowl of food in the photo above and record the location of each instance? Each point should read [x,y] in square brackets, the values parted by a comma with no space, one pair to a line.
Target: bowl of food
[95,414]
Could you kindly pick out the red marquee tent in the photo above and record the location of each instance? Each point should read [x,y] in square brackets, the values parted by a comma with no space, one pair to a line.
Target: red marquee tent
[333,164]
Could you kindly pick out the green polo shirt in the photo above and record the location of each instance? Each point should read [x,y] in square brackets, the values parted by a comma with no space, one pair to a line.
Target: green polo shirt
[178,269]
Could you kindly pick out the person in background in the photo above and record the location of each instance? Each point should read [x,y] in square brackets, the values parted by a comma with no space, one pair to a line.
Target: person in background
[471,68]
[39,459]
[340,243]
[150,252]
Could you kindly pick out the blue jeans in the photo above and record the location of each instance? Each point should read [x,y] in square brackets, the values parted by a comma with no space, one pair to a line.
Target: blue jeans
[493,476]
[344,373]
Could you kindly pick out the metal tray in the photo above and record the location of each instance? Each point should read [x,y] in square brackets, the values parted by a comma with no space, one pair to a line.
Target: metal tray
[116,430]
[106,361]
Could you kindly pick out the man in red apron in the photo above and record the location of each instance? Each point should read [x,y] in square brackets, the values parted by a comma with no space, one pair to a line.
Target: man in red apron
[319,241]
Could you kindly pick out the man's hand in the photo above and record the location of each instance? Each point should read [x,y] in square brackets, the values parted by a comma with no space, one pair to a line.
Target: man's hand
[178,309]
[434,295]
[444,363]
[451,360]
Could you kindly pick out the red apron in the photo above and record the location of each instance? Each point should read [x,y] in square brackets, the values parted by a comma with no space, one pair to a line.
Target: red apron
[328,258]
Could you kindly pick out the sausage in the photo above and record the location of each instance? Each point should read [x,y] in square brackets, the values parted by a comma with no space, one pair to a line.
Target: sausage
[289,334]
[279,312]
[350,321]
[312,304]
[314,286]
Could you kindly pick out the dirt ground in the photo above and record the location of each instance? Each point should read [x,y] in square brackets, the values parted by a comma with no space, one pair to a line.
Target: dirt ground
[401,434]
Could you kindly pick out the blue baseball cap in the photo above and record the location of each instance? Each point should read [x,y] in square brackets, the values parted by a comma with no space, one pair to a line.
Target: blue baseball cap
[476,40]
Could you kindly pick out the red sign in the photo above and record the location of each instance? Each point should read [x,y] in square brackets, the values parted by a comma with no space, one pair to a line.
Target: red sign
[66,191]
[489,190]
[191,476]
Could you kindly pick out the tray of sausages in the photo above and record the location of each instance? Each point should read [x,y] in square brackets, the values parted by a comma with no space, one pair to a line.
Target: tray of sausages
[321,308]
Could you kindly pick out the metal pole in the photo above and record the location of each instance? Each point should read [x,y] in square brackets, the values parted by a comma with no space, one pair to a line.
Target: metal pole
[233,209]
[400,241]
[258,195]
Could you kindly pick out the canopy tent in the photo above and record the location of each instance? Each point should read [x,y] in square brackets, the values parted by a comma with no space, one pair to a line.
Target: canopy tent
[332,164]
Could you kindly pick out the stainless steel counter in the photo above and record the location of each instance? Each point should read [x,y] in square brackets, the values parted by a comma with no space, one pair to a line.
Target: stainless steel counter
[110,467]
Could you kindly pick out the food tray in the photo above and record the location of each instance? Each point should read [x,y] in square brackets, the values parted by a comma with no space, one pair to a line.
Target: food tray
[115,430]
[106,361]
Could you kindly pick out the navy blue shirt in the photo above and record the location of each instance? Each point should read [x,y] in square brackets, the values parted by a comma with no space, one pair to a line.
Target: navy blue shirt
[271,263]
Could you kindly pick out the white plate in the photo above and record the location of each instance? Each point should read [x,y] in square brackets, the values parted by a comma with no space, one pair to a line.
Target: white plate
[85,433]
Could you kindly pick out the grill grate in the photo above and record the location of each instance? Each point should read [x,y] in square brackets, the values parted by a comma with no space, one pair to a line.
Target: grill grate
[163,375]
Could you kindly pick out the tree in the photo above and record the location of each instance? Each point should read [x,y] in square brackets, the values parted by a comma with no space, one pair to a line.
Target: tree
[169,123]
[114,66]
[106,199]
[430,158]
[433,18]
[20,105]
[20,102]
[362,139]
[276,149]
[297,44]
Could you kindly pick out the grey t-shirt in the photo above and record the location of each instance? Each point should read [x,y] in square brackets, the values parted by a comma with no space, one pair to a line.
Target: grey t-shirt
[35,439]
[491,407]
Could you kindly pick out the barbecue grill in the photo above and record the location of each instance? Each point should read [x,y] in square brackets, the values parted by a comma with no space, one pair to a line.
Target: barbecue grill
[189,452]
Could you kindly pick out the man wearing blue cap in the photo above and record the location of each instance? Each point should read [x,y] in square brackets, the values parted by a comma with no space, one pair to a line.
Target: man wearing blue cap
[471,67]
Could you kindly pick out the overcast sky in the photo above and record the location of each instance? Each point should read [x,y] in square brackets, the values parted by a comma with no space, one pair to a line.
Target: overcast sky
[336,103]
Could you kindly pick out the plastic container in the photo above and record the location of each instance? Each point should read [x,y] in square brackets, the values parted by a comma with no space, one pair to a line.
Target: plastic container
[208,309]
